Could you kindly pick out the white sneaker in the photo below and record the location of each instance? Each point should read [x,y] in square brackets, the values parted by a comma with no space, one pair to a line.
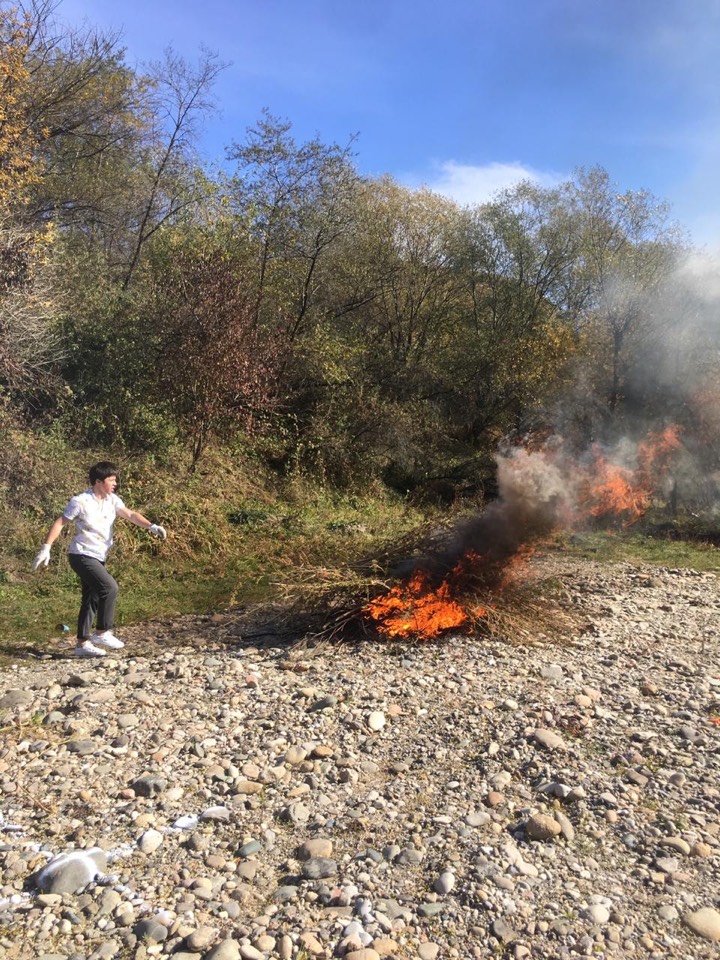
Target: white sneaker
[88,649]
[108,639]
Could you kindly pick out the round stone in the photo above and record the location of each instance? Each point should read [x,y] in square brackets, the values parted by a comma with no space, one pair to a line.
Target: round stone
[201,938]
[316,847]
[597,913]
[376,720]
[150,841]
[705,922]
[226,950]
[445,882]
[540,826]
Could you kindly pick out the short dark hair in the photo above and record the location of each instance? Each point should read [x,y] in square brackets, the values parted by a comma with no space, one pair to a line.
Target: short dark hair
[103,470]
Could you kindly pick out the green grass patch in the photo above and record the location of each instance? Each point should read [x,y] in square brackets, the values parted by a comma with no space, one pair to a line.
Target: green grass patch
[639,548]
[232,536]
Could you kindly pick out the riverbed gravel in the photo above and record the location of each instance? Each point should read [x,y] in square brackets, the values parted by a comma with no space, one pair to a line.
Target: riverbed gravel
[213,792]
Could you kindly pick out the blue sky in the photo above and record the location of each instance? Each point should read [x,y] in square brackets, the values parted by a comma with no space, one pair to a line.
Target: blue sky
[465,96]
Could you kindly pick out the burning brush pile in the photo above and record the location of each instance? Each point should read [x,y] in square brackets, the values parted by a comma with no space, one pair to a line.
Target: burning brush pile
[473,575]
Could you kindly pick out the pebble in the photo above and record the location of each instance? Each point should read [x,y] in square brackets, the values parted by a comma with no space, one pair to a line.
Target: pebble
[72,871]
[249,952]
[294,756]
[428,951]
[376,720]
[702,850]
[150,841]
[265,944]
[151,930]
[430,909]
[566,827]
[445,882]
[503,931]
[317,868]
[148,785]
[200,939]
[597,913]
[540,826]
[316,847]
[675,843]
[16,698]
[249,848]
[310,943]
[549,740]
[226,950]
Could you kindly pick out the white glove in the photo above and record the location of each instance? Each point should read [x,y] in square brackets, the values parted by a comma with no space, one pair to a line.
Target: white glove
[156,531]
[43,557]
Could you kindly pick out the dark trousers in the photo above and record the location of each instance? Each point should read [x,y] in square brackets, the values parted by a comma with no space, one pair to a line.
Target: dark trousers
[99,593]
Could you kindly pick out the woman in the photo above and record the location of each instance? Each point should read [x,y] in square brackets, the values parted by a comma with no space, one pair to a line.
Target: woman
[94,513]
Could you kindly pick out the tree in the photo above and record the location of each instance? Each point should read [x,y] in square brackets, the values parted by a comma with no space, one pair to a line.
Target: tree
[384,322]
[117,145]
[516,257]
[27,343]
[85,110]
[628,245]
[297,202]
[18,144]
[411,291]
[214,368]
[179,95]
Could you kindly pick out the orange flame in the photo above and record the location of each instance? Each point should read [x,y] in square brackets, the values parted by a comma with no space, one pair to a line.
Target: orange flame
[625,494]
[418,608]
[415,609]
[614,493]
[655,452]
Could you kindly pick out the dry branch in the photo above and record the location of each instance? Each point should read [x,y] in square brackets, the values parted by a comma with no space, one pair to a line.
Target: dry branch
[331,604]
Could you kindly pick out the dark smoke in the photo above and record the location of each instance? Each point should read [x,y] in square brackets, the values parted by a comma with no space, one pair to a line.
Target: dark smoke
[533,500]
[670,375]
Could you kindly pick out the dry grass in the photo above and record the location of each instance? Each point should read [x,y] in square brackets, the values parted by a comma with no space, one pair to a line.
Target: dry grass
[331,604]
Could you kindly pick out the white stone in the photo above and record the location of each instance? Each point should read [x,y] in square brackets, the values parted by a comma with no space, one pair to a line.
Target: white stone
[150,841]
[376,720]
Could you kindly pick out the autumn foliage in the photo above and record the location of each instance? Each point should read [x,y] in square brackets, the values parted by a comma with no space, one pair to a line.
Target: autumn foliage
[215,366]
[25,338]
[348,327]
[19,168]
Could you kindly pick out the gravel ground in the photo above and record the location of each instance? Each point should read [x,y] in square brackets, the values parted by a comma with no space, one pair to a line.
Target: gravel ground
[211,793]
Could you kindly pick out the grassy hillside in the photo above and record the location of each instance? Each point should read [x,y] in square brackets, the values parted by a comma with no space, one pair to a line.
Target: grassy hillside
[235,530]
[232,530]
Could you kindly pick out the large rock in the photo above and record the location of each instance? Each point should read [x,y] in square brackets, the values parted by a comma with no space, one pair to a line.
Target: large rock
[16,698]
[151,930]
[705,922]
[548,739]
[540,826]
[71,872]
[148,785]
[226,950]
[150,841]
[318,868]
[316,847]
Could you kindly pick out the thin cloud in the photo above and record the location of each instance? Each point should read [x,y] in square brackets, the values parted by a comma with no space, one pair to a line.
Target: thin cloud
[469,184]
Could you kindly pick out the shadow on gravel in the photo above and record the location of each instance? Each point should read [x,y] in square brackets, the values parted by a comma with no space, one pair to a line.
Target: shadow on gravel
[220,632]
[14,653]
[201,633]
